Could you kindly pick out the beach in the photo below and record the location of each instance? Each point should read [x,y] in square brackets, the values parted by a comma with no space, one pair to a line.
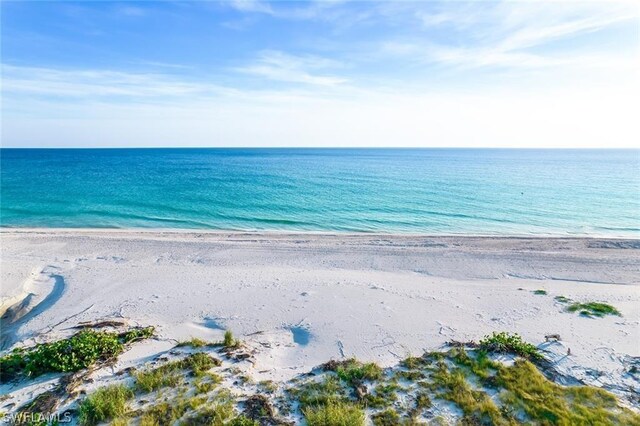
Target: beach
[302,299]
[319,213]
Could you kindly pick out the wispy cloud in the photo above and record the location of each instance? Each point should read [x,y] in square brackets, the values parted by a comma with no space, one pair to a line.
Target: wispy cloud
[338,12]
[254,6]
[130,11]
[88,83]
[280,66]
[516,35]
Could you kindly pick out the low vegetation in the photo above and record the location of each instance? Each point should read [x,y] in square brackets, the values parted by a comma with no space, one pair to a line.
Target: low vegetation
[387,417]
[353,371]
[104,404]
[229,341]
[195,343]
[329,390]
[163,413]
[80,351]
[545,402]
[540,292]
[135,334]
[335,414]
[593,309]
[504,342]
[465,385]
[562,299]
[170,374]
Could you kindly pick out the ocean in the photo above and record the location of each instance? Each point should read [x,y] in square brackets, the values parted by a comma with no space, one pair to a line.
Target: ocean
[426,191]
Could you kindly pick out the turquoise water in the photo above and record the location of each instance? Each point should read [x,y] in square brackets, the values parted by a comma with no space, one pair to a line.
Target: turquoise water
[431,191]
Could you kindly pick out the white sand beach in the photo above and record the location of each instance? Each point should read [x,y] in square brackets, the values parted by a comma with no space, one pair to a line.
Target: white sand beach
[302,299]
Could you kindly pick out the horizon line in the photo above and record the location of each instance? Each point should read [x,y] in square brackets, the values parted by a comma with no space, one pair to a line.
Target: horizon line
[320,147]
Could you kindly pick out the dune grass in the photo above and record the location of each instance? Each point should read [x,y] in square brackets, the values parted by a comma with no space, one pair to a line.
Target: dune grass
[149,381]
[388,417]
[383,395]
[229,341]
[163,413]
[353,371]
[414,362]
[104,404]
[329,390]
[335,414]
[194,342]
[170,374]
[476,405]
[544,402]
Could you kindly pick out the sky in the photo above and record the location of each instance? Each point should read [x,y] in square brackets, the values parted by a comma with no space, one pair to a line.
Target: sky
[320,73]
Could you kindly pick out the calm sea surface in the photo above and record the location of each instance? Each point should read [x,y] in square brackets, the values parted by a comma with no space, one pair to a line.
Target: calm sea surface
[432,191]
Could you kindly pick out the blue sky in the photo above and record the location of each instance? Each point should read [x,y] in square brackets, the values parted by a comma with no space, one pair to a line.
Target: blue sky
[321,73]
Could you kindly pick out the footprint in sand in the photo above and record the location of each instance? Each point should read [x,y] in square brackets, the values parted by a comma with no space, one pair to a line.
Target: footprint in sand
[300,334]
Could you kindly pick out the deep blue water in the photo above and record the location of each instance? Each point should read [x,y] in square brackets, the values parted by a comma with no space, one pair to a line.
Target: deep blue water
[431,191]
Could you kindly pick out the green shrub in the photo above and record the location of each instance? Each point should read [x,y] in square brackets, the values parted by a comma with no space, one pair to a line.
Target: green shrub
[562,299]
[509,343]
[12,365]
[540,292]
[68,355]
[106,403]
[335,414]
[596,309]
[76,353]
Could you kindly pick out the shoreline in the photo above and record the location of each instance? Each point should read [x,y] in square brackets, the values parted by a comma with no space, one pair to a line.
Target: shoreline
[294,233]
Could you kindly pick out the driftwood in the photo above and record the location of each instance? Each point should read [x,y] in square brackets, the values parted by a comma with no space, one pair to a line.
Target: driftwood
[101,324]
[457,344]
[361,392]
[550,337]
